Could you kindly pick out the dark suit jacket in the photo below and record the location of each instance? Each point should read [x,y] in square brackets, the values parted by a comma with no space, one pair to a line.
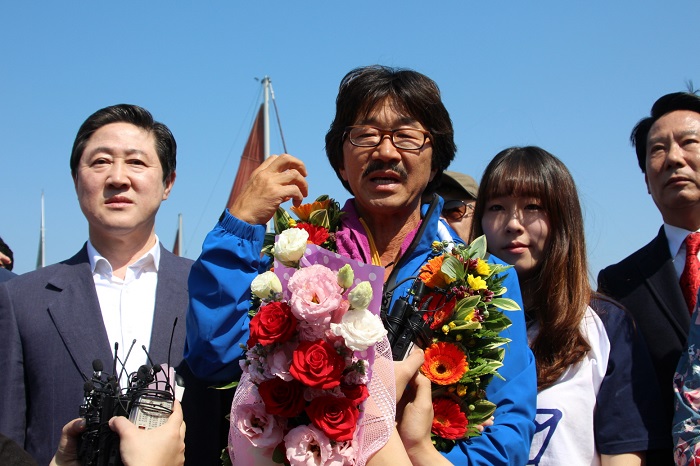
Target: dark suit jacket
[6,275]
[51,330]
[647,285]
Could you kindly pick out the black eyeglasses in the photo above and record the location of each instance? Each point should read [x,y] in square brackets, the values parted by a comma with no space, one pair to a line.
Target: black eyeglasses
[402,138]
[456,210]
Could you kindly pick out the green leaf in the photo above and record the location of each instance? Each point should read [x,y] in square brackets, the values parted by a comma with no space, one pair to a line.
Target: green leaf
[506,304]
[281,220]
[465,306]
[478,247]
[320,218]
[499,268]
[453,268]
[225,458]
[278,456]
[483,410]
[497,323]
[226,387]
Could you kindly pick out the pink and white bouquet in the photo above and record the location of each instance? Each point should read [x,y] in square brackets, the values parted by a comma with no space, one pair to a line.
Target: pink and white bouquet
[316,351]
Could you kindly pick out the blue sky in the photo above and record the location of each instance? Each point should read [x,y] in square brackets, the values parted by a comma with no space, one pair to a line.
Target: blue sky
[572,77]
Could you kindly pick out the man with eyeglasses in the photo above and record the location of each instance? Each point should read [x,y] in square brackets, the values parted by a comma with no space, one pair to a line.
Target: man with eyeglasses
[459,191]
[389,143]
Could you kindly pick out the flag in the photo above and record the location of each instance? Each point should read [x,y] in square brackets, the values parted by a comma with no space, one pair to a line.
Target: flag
[177,247]
[40,258]
[253,155]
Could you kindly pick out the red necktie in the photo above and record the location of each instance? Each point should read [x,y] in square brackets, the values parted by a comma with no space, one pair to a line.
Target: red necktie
[690,278]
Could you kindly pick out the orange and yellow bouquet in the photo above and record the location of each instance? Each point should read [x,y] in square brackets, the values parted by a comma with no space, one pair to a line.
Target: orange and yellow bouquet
[463,308]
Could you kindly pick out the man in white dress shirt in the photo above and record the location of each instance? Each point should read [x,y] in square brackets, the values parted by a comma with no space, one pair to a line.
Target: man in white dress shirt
[650,282]
[123,285]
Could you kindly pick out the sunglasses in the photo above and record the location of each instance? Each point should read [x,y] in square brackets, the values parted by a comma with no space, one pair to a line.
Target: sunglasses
[456,210]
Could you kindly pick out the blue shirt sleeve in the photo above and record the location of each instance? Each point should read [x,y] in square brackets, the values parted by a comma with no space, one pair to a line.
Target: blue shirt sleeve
[508,441]
[219,285]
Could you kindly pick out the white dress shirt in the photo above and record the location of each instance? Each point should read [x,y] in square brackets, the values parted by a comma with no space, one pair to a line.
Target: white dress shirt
[676,246]
[127,305]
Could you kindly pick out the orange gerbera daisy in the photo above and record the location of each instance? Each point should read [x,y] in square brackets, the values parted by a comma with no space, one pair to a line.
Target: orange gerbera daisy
[448,420]
[444,363]
[304,211]
[430,273]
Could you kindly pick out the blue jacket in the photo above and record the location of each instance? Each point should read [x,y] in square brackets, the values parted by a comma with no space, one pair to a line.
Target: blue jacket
[217,323]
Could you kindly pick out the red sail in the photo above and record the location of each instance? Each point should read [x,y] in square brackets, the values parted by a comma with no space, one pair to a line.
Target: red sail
[253,155]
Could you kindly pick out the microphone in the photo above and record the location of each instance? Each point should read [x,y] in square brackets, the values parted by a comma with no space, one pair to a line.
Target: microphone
[114,361]
[157,367]
[97,367]
[170,346]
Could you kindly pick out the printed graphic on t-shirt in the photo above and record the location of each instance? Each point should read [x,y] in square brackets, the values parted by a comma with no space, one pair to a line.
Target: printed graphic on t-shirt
[546,422]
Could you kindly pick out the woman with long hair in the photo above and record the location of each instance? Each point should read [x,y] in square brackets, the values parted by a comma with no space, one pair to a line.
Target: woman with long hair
[596,390]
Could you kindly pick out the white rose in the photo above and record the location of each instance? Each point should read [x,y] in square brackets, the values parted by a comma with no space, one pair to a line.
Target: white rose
[266,284]
[360,296]
[360,329]
[291,244]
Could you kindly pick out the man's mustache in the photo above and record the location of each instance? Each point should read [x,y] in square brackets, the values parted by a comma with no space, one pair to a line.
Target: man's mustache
[378,165]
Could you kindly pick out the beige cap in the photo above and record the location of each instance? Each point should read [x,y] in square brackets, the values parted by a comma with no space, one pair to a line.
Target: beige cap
[461,182]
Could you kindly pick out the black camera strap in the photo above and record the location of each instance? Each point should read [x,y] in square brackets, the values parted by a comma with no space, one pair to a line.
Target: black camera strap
[390,285]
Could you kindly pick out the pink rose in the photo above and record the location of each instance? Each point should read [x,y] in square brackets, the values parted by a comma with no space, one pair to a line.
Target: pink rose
[316,294]
[261,428]
[280,360]
[306,445]
[312,331]
[347,451]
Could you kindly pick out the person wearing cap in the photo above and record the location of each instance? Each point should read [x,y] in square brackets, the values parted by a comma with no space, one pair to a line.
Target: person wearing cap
[459,192]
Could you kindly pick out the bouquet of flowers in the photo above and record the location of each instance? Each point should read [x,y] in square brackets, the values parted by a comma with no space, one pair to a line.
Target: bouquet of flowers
[319,219]
[462,308]
[317,349]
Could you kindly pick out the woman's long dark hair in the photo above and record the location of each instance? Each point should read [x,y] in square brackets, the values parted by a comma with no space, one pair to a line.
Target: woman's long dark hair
[558,291]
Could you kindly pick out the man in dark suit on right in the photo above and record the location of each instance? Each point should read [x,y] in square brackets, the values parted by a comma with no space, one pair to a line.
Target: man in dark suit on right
[654,283]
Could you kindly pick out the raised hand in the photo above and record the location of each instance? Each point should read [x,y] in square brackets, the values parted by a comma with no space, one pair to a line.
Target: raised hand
[278,179]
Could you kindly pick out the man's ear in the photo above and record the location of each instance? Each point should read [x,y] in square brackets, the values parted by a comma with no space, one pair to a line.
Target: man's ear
[433,172]
[168,183]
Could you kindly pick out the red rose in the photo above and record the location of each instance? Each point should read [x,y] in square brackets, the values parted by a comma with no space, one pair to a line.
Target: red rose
[282,398]
[449,421]
[274,323]
[335,416]
[356,393]
[317,364]
[317,235]
[440,309]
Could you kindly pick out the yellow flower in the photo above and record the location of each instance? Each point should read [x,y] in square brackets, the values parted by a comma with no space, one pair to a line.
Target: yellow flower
[470,315]
[476,283]
[482,268]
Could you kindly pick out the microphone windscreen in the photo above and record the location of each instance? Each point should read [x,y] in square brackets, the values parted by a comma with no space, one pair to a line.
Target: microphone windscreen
[97,365]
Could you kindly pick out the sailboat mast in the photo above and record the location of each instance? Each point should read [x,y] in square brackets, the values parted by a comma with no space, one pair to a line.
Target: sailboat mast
[266,116]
